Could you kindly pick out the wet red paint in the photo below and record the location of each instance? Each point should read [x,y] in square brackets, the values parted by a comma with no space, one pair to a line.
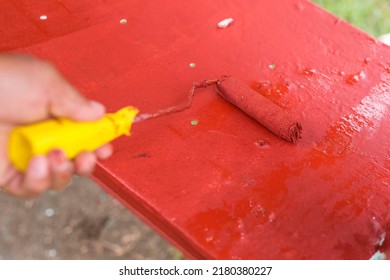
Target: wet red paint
[211,188]
[355,78]
[270,90]
[309,71]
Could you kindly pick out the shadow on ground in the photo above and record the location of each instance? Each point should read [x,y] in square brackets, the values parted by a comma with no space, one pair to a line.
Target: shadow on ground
[83,222]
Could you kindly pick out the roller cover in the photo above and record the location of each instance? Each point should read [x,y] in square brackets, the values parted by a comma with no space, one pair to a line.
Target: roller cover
[264,111]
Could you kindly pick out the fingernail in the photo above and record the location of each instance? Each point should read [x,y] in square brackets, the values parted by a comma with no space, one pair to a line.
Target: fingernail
[97,106]
[85,164]
[89,169]
[104,153]
[39,167]
[58,160]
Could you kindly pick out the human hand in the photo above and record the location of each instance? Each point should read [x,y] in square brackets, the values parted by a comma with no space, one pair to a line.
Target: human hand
[31,91]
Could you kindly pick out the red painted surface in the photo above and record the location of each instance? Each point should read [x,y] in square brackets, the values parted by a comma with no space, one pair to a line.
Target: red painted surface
[227,187]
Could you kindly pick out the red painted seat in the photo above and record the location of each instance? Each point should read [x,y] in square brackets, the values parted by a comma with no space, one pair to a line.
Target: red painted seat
[225,187]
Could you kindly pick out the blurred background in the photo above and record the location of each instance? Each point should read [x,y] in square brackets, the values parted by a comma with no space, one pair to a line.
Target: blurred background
[84,222]
[371,16]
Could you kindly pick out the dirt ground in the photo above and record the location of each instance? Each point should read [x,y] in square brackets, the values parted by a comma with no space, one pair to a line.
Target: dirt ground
[83,222]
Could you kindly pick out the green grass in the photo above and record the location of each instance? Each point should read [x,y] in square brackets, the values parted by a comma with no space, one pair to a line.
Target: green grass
[372,16]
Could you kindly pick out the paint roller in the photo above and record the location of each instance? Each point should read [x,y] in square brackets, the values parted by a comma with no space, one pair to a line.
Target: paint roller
[258,107]
[74,137]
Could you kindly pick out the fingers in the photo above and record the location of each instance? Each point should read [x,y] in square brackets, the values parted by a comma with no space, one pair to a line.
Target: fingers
[14,186]
[85,163]
[61,170]
[34,181]
[53,172]
[68,103]
[104,152]
[40,92]
[65,101]
[37,177]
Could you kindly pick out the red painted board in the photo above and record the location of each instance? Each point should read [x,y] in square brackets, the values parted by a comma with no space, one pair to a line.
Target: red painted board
[227,188]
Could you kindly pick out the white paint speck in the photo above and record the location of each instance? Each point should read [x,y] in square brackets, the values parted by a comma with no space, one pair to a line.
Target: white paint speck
[272,66]
[192,65]
[52,253]
[123,21]
[225,23]
[49,212]
[43,17]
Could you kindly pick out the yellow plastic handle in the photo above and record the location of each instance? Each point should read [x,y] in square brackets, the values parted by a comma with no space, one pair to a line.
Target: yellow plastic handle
[70,136]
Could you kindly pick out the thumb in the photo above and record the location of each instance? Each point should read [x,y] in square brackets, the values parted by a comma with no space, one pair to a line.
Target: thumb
[71,104]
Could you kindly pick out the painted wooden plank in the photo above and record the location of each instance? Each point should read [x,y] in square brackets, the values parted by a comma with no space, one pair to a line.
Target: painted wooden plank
[227,188]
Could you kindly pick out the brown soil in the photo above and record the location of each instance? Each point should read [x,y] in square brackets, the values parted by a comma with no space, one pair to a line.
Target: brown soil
[83,222]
